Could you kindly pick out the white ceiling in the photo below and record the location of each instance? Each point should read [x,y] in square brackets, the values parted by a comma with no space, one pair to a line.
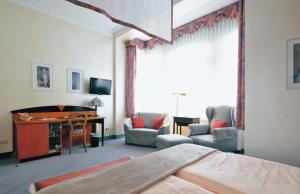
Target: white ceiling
[69,12]
[184,11]
[188,10]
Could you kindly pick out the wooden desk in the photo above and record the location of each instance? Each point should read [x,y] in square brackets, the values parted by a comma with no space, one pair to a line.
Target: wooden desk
[32,138]
[183,121]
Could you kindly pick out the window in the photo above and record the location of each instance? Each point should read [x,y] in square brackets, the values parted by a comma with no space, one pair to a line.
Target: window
[203,64]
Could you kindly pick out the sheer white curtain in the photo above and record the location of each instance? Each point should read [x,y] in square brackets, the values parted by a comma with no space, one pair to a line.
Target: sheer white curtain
[203,64]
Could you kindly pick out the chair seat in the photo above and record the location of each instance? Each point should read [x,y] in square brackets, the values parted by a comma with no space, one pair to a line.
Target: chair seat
[141,136]
[144,131]
[205,140]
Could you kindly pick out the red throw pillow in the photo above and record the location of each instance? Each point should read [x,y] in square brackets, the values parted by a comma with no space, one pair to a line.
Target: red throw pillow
[218,124]
[138,122]
[157,122]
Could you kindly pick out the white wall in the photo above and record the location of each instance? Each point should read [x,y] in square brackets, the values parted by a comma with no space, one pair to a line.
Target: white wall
[27,36]
[272,111]
[120,79]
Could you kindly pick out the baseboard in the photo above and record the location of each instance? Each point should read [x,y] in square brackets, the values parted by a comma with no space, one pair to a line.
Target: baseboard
[10,154]
[6,155]
[113,137]
[242,151]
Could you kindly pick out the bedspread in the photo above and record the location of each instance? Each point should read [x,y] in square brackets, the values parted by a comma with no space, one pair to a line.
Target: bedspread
[135,175]
[229,173]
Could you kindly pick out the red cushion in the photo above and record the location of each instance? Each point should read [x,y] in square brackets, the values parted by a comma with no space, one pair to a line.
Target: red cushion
[157,122]
[54,180]
[218,124]
[138,122]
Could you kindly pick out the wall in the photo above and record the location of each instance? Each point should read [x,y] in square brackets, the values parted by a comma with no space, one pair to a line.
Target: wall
[272,111]
[120,79]
[27,36]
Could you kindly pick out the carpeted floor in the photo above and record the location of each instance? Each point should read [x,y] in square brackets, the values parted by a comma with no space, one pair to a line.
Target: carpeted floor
[16,179]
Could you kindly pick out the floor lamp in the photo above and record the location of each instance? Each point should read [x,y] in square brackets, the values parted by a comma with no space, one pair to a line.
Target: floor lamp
[178,94]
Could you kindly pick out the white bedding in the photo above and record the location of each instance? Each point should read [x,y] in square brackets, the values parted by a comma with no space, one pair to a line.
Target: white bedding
[228,173]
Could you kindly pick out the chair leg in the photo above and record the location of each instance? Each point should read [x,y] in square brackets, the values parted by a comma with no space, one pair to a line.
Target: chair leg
[70,145]
[84,142]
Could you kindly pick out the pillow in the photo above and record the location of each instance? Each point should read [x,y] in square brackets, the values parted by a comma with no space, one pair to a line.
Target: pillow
[158,122]
[138,122]
[218,124]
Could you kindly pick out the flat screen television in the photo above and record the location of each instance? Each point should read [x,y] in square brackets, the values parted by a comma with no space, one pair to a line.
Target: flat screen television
[100,86]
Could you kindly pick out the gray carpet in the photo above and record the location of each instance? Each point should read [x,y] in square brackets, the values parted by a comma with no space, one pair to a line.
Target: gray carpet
[16,180]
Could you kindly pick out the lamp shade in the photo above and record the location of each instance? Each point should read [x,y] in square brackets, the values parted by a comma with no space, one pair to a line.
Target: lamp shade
[180,93]
[96,102]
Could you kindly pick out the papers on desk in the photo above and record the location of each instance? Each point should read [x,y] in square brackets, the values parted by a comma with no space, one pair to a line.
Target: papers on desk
[45,119]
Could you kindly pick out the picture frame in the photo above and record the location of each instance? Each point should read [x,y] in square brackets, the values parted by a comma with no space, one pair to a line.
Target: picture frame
[75,80]
[42,77]
[293,63]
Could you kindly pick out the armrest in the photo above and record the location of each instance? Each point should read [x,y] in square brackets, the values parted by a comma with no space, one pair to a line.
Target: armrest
[224,133]
[127,124]
[197,129]
[165,129]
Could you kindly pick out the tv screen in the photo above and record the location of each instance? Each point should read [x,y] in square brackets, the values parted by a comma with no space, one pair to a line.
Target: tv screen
[100,86]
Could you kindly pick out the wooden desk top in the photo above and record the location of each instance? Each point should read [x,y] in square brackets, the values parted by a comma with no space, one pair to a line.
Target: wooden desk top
[54,120]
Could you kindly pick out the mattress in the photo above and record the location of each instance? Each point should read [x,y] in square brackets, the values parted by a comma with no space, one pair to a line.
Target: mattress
[228,173]
[175,185]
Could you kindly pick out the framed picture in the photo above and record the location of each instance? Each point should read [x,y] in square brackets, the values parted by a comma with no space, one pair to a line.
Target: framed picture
[42,77]
[293,63]
[75,80]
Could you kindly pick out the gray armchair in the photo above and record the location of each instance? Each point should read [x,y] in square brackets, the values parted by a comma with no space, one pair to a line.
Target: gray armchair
[224,139]
[145,136]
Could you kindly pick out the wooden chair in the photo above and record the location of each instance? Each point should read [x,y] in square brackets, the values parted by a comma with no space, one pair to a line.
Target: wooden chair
[77,123]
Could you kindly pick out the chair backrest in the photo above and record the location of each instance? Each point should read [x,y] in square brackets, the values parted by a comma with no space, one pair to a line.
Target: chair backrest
[148,117]
[77,120]
[226,113]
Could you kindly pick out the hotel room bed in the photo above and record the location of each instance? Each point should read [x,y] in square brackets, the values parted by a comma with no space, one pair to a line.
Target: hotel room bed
[187,168]
[228,173]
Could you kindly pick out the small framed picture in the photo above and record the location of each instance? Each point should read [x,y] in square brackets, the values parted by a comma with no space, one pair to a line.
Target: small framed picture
[75,80]
[42,77]
[293,63]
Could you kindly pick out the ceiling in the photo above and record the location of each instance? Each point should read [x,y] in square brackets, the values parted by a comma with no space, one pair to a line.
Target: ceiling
[184,11]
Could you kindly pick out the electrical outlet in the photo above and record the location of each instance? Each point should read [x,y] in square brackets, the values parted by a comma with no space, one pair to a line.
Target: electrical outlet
[107,129]
[3,141]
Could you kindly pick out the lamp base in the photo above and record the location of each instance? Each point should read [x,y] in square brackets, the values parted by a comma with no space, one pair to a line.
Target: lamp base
[96,108]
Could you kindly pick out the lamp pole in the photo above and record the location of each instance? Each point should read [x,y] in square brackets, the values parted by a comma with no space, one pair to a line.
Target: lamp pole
[177,100]
[177,104]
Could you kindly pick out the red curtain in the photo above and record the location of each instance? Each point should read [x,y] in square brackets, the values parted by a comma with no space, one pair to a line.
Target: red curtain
[130,79]
[240,120]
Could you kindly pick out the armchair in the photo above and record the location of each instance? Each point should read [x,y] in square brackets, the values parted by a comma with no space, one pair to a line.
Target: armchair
[224,139]
[145,136]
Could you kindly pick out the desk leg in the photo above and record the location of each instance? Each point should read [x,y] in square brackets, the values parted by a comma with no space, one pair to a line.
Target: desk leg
[180,130]
[174,126]
[60,138]
[102,132]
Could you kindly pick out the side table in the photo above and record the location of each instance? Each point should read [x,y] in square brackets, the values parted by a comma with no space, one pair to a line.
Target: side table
[179,121]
